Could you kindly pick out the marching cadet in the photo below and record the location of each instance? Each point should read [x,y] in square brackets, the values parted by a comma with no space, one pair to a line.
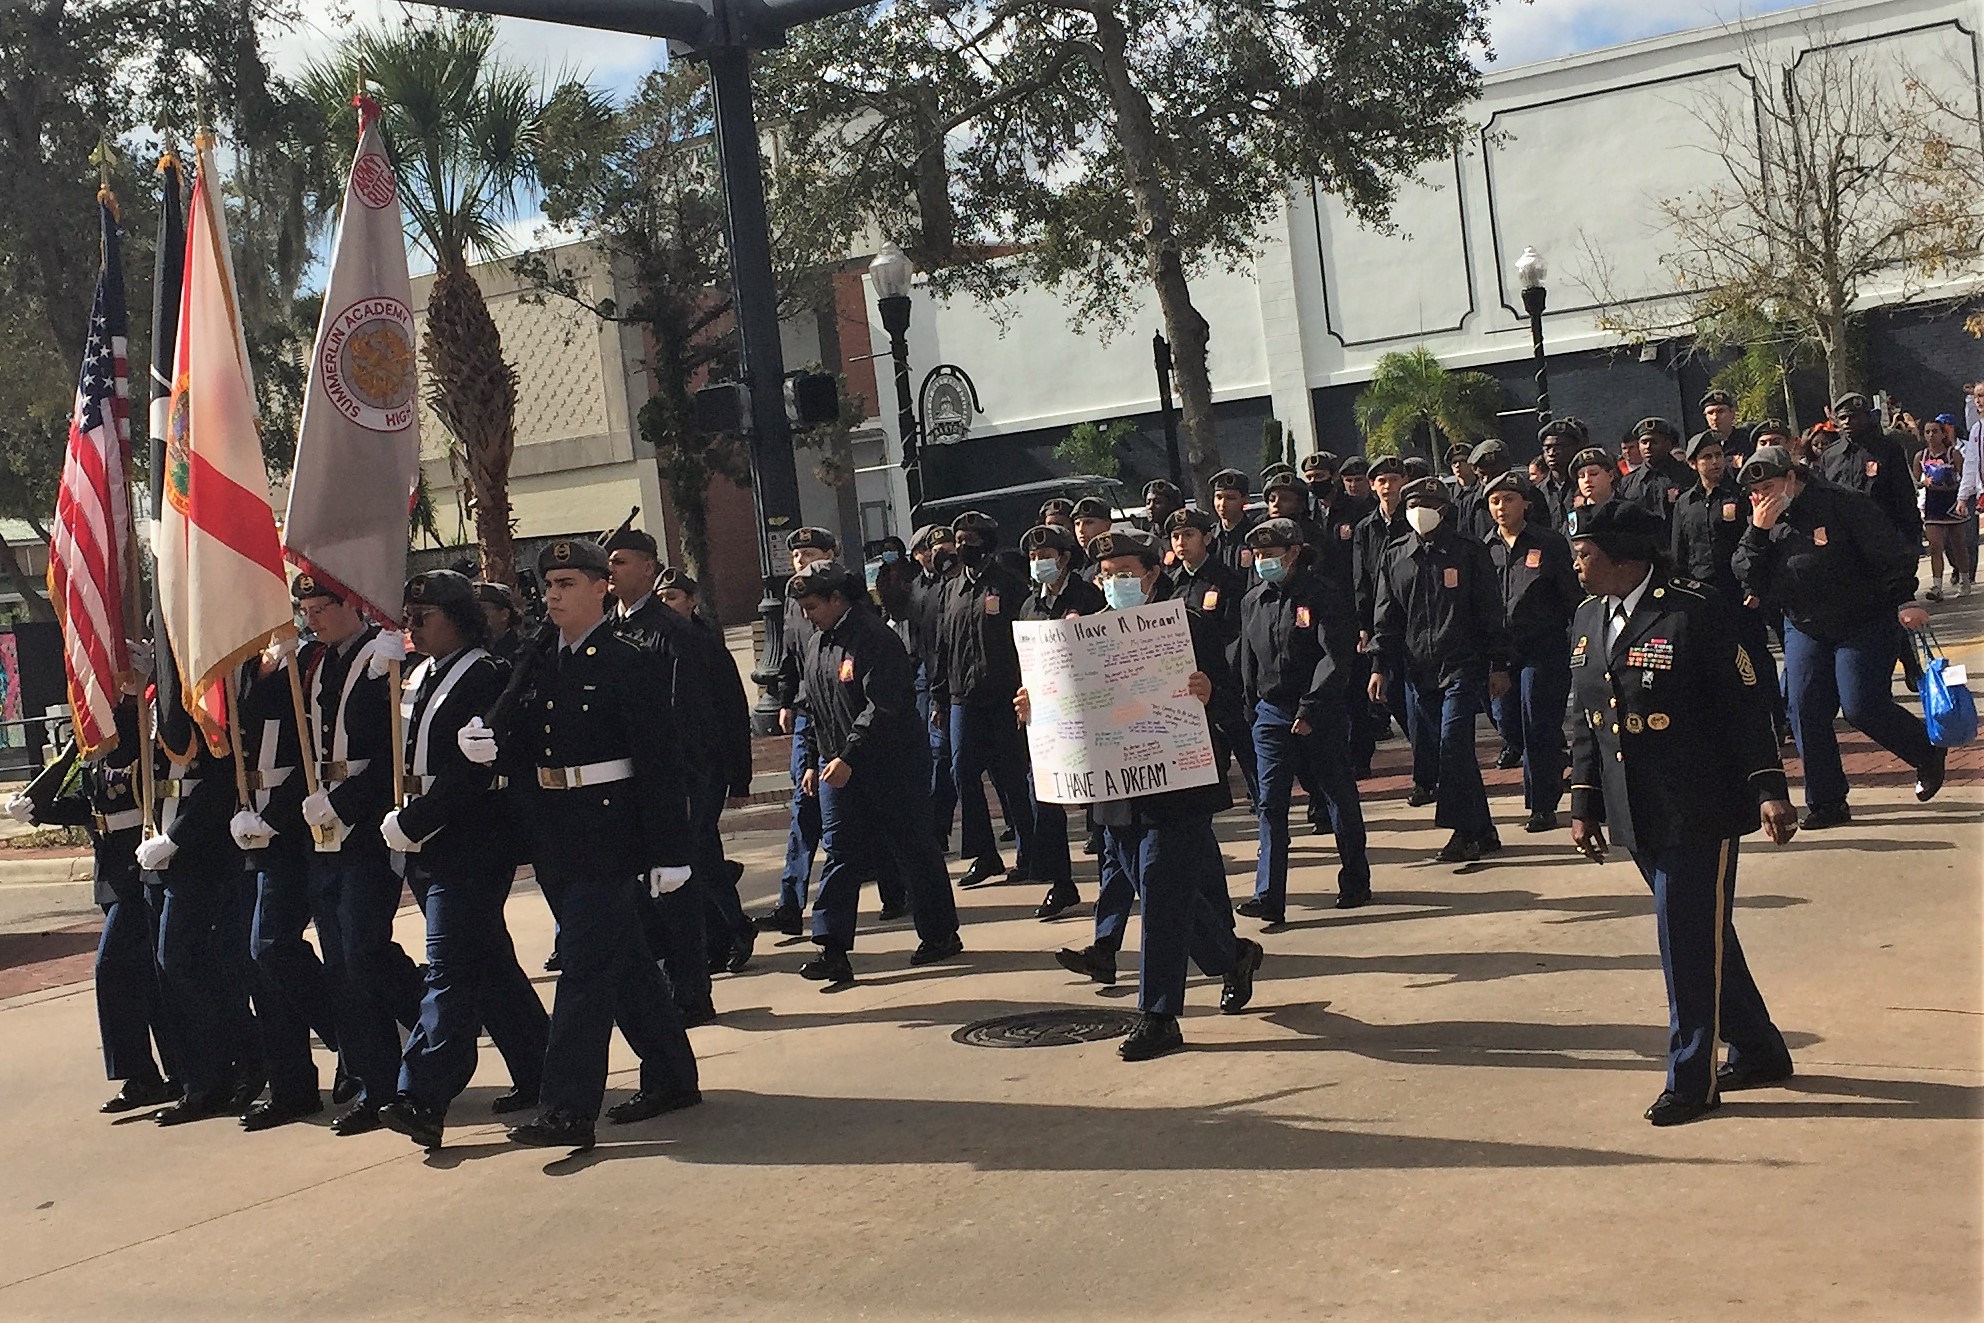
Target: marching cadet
[1059,592]
[203,922]
[461,850]
[1057,512]
[864,752]
[1163,845]
[1355,477]
[1673,754]
[1439,613]
[1596,475]
[1333,517]
[977,674]
[1092,520]
[295,992]
[1719,414]
[732,935]
[1540,593]
[1560,438]
[1490,460]
[1865,459]
[506,622]
[1659,482]
[934,548]
[1230,494]
[350,873]
[1708,523]
[1368,721]
[129,1017]
[1161,498]
[1288,498]
[806,546]
[598,763]
[1298,648]
[1213,592]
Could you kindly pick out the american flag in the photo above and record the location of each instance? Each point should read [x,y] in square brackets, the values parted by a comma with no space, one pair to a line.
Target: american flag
[91,557]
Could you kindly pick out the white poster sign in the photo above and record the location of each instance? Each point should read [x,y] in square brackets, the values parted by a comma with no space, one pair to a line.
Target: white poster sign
[1112,718]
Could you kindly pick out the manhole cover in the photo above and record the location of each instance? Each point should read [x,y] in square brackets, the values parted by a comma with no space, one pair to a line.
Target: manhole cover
[1046,1029]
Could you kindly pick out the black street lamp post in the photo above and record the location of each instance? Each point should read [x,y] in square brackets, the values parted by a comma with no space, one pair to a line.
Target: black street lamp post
[1161,360]
[892,271]
[1531,270]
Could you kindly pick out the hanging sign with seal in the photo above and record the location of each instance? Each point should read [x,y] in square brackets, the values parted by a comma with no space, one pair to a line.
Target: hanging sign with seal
[948,402]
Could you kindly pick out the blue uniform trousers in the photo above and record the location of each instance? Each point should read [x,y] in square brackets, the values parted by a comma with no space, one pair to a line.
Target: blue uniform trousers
[1114,901]
[1324,756]
[292,994]
[1398,698]
[378,986]
[127,992]
[802,835]
[986,739]
[1050,861]
[943,789]
[1531,718]
[1710,993]
[1442,721]
[874,823]
[1180,877]
[723,910]
[1854,676]
[607,977]
[473,981]
[202,939]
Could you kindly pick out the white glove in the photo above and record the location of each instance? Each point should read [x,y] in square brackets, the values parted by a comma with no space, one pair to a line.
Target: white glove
[388,645]
[281,648]
[396,839]
[155,853]
[20,808]
[317,810]
[661,881]
[250,830]
[477,742]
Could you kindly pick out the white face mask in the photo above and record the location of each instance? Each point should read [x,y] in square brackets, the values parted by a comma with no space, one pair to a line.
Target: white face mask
[1424,519]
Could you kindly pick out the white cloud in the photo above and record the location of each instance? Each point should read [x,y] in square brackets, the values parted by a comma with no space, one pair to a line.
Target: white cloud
[1527,30]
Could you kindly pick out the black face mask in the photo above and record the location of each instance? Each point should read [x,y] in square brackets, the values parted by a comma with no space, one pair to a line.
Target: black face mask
[942,561]
[1322,489]
[972,554]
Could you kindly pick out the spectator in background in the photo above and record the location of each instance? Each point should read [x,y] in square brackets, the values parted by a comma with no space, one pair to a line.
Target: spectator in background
[1967,485]
[1938,469]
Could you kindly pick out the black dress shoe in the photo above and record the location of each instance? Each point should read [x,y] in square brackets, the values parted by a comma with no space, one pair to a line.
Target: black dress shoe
[247,1088]
[136,1094]
[1255,908]
[344,1088]
[1508,758]
[1541,820]
[1363,772]
[361,1119]
[1420,797]
[280,1111]
[930,953]
[741,947]
[983,870]
[405,1116]
[1351,900]
[1091,962]
[1459,849]
[694,1016]
[1007,835]
[1825,815]
[1153,1036]
[516,1100]
[1321,827]
[1061,897]
[1737,1076]
[196,1107]
[1238,989]
[1093,843]
[556,1128]
[552,964]
[785,919]
[1929,776]
[829,967]
[1489,841]
[1672,1109]
[890,913]
[646,1105]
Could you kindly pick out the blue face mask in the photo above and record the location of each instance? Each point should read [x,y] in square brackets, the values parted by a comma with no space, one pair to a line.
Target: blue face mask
[1270,568]
[891,557]
[1123,592]
[1046,571]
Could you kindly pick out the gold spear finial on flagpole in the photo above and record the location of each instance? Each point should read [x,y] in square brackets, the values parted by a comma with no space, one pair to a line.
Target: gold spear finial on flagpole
[102,158]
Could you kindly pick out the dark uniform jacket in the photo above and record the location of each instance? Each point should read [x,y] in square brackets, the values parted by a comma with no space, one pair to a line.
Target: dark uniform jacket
[976,662]
[198,817]
[1298,645]
[1229,547]
[1832,561]
[1673,744]
[1078,597]
[1473,517]
[1173,806]
[1558,496]
[1875,467]
[792,661]
[505,646]
[686,668]
[1708,523]
[274,753]
[1736,445]
[1540,591]
[103,799]
[1657,484]
[595,704]
[1213,592]
[730,710]
[858,688]
[926,614]
[1439,607]
[455,811]
[1334,527]
[361,705]
[1373,535]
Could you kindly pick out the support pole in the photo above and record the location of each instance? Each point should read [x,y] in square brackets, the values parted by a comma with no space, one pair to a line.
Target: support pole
[1532,302]
[895,320]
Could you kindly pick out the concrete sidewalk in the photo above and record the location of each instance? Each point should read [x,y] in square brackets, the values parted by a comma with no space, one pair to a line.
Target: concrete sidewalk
[1431,1112]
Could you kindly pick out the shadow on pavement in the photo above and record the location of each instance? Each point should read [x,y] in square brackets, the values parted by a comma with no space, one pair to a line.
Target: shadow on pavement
[1843,1095]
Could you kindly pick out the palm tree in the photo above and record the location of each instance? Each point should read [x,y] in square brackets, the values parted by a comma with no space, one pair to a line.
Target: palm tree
[464,128]
[1410,388]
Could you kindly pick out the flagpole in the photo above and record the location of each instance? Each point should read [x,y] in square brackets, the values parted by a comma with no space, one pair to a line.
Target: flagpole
[306,737]
[233,699]
[393,694]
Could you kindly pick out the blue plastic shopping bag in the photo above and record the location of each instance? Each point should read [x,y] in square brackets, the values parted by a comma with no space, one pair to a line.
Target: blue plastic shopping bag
[1947,706]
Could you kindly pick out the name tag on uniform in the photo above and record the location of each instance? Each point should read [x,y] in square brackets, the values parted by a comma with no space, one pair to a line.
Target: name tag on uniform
[1653,655]
[1729,512]
[1246,556]
[1819,536]
[1343,532]
[1211,599]
[1534,560]
[991,604]
[1577,653]
[1451,576]
[1873,468]
[846,669]
[1301,617]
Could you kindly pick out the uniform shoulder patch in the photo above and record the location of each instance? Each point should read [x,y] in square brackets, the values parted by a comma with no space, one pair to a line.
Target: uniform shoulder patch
[1745,668]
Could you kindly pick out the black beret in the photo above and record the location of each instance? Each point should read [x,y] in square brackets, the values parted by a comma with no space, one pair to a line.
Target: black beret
[1770,427]
[1853,399]
[1283,481]
[1568,426]
[309,585]
[1589,457]
[979,523]
[1275,533]
[1697,441]
[1060,505]
[1162,487]
[1414,467]
[823,577]
[1273,469]
[1426,491]
[1047,537]
[1124,542]
[1230,480]
[1718,397]
[1622,529]
[811,539]
[676,579]
[1198,519]
[495,594]
[1487,449]
[1458,448]
[1322,459]
[1508,482]
[572,553]
[440,588]
[1386,464]
[1769,462]
[1657,427]
[927,534]
[1092,507]
[1355,467]
[632,539]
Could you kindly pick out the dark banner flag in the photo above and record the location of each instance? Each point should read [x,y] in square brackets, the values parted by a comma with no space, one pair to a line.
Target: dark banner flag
[175,728]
